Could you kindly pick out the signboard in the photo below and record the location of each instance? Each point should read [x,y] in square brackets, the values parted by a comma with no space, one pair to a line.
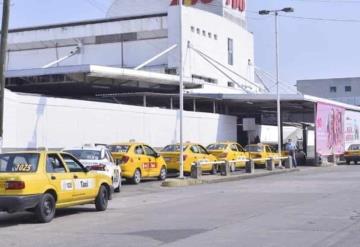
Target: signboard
[330,129]
[352,128]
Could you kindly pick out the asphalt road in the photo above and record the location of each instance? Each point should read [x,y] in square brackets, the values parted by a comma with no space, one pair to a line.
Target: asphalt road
[314,207]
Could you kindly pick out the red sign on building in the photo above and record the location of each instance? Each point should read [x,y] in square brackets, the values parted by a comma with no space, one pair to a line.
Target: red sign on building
[235,4]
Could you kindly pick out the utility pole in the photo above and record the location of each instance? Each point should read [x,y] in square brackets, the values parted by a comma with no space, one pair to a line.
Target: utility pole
[181,94]
[3,48]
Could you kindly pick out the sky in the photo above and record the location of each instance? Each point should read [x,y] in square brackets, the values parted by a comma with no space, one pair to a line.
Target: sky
[309,49]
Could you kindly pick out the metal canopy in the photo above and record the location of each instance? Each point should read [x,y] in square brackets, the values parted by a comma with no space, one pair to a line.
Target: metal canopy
[91,79]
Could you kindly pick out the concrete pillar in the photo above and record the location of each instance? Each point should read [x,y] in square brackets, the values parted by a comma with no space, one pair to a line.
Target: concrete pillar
[289,163]
[225,169]
[250,167]
[171,103]
[270,164]
[214,107]
[144,100]
[194,105]
[196,171]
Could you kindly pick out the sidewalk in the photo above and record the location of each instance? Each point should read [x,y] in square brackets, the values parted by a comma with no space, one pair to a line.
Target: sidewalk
[211,179]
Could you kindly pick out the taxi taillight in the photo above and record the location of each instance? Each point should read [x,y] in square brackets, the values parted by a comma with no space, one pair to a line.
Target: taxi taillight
[14,185]
[124,159]
[98,167]
[184,157]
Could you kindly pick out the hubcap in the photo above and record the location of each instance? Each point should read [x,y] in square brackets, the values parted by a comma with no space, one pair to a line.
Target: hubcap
[163,173]
[137,176]
[103,197]
[48,207]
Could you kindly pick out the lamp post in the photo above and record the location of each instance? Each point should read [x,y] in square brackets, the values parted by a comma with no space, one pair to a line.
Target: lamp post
[181,95]
[276,14]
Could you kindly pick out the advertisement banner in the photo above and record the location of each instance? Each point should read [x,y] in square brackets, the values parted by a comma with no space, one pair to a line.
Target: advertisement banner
[352,128]
[330,135]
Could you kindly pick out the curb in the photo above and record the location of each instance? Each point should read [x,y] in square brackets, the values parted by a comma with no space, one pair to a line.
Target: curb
[176,182]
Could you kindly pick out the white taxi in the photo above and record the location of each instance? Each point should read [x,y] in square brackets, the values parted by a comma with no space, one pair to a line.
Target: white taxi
[98,158]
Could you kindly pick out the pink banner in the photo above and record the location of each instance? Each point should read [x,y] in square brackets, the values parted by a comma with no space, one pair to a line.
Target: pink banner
[330,135]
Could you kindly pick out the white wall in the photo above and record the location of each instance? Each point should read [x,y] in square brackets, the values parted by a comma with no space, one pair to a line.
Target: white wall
[34,121]
[217,49]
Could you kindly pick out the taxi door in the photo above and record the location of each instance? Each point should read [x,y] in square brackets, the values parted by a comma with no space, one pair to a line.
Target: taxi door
[142,161]
[84,182]
[205,156]
[153,166]
[59,177]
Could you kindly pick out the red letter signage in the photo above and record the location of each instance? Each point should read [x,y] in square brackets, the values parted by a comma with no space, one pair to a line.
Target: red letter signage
[237,4]
[190,2]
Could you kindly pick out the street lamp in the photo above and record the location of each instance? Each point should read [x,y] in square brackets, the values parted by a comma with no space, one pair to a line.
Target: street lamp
[276,14]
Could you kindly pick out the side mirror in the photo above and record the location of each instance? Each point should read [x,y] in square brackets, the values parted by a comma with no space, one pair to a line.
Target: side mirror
[157,155]
[86,169]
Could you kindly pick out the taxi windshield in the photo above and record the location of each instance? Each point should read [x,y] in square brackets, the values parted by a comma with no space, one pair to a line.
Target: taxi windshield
[119,148]
[173,148]
[216,147]
[253,148]
[85,154]
[354,147]
[19,162]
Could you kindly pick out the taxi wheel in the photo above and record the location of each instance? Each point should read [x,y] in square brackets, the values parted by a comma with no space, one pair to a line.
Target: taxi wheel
[137,177]
[45,210]
[101,201]
[162,175]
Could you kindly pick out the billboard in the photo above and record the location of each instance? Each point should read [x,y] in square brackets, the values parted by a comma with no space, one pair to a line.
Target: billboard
[330,136]
[352,128]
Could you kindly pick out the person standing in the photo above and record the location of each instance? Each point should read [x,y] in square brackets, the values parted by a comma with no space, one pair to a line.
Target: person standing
[291,148]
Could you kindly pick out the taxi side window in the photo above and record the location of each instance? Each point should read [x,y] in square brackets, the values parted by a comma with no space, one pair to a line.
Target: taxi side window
[240,148]
[139,150]
[54,164]
[195,149]
[268,149]
[149,151]
[72,164]
[202,150]
[234,148]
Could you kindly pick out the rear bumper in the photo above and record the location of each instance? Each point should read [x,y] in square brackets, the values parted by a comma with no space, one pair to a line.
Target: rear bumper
[18,203]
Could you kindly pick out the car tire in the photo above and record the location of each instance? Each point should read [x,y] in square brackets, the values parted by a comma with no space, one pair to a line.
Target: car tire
[101,201]
[45,210]
[136,179]
[213,170]
[348,162]
[163,174]
[355,162]
[118,189]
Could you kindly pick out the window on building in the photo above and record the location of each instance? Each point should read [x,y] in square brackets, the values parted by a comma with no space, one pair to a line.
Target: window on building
[332,89]
[204,33]
[210,35]
[192,29]
[198,30]
[347,88]
[215,36]
[230,51]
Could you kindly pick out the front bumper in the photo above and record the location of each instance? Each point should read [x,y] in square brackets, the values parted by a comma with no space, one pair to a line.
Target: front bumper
[13,204]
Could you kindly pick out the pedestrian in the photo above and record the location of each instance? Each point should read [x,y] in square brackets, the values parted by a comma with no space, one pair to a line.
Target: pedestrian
[291,148]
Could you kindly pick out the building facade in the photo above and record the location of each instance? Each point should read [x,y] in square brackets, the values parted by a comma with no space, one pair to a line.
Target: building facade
[345,90]
[218,50]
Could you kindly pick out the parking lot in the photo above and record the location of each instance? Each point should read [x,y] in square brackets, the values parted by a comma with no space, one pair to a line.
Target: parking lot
[313,207]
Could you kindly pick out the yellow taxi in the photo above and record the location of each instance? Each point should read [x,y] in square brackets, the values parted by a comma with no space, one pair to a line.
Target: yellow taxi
[352,154]
[192,153]
[229,151]
[261,152]
[138,161]
[42,181]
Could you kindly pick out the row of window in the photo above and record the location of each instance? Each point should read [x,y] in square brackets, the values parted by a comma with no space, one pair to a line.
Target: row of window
[333,89]
[204,33]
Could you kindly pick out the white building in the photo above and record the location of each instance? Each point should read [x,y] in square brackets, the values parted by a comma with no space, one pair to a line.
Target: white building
[346,90]
[218,50]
